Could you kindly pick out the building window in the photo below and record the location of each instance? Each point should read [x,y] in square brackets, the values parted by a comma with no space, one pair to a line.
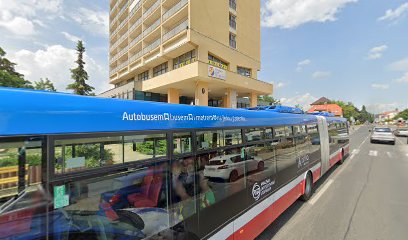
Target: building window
[143,76]
[233,4]
[233,40]
[159,70]
[233,21]
[244,71]
[217,62]
[184,59]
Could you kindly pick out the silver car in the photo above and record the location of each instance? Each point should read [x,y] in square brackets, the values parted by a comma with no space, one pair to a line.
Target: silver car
[401,132]
[382,134]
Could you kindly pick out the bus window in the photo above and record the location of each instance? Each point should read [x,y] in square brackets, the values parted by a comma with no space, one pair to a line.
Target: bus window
[142,147]
[232,137]
[254,134]
[22,198]
[84,153]
[299,130]
[182,143]
[131,204]
[210,139]
[286,159]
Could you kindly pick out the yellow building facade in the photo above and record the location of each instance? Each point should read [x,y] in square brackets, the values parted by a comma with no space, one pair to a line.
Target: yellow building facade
[201,52]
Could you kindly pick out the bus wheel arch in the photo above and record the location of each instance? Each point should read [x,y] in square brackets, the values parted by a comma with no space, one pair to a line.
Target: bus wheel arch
[341,161]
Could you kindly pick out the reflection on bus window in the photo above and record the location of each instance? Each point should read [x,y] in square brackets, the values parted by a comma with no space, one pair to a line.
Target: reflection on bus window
[254,134]
[210,139]
[142,147]
[182,143]
[79,154]
[232,137]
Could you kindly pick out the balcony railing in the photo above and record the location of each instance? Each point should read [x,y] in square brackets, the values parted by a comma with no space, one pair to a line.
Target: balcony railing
[135,25]
[122,65]
[151,9]
[136,40]
[124,7]
[174,9]
[136,56]
[136,7]
[152,46]
[114,6]
[113,71]
[120,25]
[233,4]
[176,30]
[151,27]
[124,36]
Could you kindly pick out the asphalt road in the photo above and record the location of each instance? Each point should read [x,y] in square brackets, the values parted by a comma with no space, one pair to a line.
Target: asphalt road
[365,198]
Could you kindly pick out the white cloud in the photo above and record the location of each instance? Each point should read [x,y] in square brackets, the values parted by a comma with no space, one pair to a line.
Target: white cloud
[279,85]
[19,26]
[380,86]
[96,22]
[391,14]
[321,74]
[381,107]
[55,62]
[71,37]
[377,52]
[303,100]
[20,17]
[399,66]
[403,79]
[293,13]
[302,64]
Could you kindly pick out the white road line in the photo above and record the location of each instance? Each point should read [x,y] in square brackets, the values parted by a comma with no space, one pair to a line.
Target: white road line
[373,153]
[320,193]
[399,140]
[389,154]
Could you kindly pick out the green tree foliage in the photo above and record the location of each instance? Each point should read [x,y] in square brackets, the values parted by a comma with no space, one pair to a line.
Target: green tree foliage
[92,154]
[45,84]
[9,77]
[350,111]
[403,115]
[269,100]
[79,75]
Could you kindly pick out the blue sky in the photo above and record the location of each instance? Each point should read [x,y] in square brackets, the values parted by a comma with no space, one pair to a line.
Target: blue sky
[353,50]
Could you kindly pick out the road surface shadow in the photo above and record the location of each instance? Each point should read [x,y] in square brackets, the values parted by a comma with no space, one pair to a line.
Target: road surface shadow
[274,228]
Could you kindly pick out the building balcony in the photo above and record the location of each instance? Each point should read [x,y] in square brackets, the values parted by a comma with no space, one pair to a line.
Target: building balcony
[152,27]
[135,41]
[136,56]
[135,25]
[151,46]
[120,27]
[135,8]
[174,9]
[151,9]
[176,30]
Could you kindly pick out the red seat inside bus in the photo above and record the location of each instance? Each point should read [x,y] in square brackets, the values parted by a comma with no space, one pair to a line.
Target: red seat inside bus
[153,185]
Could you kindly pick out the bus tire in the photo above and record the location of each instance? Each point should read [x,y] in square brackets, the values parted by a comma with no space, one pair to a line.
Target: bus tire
[308,188]
[233,176]
[341,157]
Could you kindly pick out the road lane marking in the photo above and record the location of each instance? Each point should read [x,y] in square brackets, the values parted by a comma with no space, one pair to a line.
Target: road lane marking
[399,141]
[320,193]
[373,153]
[389,154]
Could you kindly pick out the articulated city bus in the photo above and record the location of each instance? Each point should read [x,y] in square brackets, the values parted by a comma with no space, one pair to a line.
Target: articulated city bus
[74,167]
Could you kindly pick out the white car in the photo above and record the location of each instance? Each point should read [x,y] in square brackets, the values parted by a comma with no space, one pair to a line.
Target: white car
[401,132]
[382,134]
[230,167]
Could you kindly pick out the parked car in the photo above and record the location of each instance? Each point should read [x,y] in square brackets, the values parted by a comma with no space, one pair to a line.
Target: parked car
[401,132]
[230,167]
[382,134]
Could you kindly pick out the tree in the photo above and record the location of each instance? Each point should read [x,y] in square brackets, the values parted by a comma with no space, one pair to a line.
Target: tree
[269,100]
[9,77]
[45,85]
[79,75]
[403,115]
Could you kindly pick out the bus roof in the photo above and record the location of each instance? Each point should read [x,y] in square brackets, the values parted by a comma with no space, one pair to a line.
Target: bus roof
[29,112]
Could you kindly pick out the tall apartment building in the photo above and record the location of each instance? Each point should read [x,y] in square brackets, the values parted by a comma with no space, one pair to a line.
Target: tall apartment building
[202,52]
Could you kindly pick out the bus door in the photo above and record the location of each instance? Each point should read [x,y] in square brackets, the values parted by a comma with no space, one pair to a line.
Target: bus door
[324,143]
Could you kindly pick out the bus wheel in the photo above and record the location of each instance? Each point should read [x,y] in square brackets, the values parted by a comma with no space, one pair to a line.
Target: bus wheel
[233,176]
[341,158]
[308,188]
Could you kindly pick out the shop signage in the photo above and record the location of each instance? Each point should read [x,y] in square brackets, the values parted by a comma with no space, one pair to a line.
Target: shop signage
[216,72]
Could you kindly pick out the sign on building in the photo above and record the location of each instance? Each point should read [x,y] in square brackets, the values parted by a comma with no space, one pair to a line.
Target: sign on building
[216,72]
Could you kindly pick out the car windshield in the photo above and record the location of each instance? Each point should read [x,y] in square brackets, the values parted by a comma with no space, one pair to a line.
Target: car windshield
[382,130]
